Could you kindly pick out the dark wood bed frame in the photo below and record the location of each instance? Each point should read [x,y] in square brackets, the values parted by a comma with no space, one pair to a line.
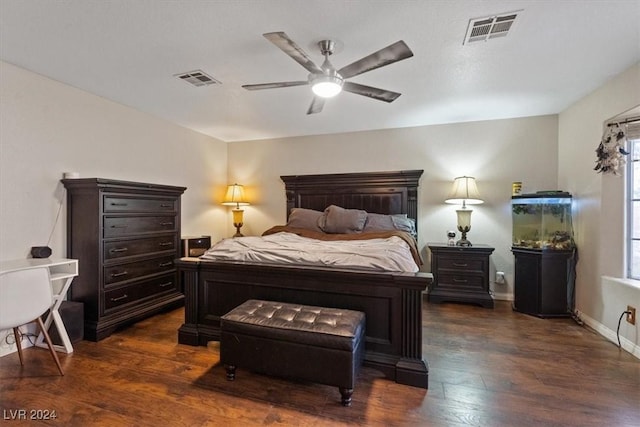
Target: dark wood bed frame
[392,302]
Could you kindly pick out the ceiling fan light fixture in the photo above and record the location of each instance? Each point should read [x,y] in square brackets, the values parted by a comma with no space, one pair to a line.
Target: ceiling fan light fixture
[326,86]
[326,81]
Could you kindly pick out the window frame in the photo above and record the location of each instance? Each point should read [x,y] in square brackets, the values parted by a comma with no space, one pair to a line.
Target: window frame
[633,148]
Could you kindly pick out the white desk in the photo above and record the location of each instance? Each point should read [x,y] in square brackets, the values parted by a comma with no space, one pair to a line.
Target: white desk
[62,272]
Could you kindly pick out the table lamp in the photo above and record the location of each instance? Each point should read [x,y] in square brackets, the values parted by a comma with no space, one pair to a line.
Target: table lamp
[235,197]
[464,191]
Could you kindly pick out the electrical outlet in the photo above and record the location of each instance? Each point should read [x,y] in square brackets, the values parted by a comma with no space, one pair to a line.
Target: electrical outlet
[631,315]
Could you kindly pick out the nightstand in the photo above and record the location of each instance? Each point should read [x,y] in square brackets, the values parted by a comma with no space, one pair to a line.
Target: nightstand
[460,274]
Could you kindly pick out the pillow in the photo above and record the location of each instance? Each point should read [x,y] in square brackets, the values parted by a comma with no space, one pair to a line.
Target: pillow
[404,223]
[305,218]
[380,222]
[342,221]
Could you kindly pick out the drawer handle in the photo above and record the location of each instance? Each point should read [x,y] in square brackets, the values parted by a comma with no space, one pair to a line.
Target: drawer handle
[116,250]
[119,226]
[166,223]
[165,244]
[165,264]
[119,204]
[166,205]
[125,296]
[124,273]
[460,265]
[460,280]
[164,285]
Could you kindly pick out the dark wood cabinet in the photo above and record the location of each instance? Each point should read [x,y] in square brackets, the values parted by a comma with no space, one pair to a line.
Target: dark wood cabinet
[460,274]
[542,281]
[126,236]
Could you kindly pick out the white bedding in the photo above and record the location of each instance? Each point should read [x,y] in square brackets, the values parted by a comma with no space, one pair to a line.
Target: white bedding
[391,254]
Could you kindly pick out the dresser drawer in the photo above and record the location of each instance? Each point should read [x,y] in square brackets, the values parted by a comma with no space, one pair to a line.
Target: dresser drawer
[467,263]
[137,292]
[133,247]
[122,226]
[139,204]
[133,270]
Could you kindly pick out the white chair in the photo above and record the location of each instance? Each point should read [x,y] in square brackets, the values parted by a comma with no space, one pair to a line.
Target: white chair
[25,295]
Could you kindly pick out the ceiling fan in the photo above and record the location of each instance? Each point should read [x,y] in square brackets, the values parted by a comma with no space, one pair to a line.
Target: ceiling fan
[325,80]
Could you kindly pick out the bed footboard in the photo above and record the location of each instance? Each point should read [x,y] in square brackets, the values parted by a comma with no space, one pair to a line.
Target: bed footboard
[392,303]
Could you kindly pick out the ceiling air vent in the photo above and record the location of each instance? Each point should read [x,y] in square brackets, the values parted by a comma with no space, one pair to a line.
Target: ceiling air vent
[197,78]
[490,27]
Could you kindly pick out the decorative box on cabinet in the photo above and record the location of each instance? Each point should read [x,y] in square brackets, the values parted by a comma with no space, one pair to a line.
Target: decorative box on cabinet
[460,274]
[126,236]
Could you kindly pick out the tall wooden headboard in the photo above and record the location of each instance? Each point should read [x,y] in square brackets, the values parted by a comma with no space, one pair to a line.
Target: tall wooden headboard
[376,192]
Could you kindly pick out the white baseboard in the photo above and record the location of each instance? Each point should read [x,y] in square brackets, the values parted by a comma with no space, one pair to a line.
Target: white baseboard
[626,344]
[502,296]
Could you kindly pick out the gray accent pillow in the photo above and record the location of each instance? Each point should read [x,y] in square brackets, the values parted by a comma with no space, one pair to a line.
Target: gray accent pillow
[380,222]
[404,223]
[342,221]
[305,218]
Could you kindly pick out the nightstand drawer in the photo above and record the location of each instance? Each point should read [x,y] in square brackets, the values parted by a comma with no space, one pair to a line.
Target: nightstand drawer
[461,263]
[460,281]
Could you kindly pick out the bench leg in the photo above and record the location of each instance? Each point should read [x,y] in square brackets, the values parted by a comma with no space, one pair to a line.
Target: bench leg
[346,394]
[231,372]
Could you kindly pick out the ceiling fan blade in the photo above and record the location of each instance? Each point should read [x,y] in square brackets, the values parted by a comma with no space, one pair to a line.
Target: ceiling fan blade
[290,47]
[275,85]
[371,92]
[385,56]
[316,105]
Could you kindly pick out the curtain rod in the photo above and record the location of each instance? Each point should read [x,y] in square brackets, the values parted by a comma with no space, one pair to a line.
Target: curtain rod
[625,121]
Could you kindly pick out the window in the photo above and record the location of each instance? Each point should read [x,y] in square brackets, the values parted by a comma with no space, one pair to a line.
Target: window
[633,199]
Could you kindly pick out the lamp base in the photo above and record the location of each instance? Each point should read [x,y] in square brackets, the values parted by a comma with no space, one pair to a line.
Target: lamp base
[463,239]
[463,242]
[238,226]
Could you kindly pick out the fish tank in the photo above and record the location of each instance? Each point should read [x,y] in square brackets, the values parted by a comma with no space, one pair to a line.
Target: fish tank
[542,221]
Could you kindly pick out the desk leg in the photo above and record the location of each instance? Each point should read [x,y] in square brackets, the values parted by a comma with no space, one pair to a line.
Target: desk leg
[54,317]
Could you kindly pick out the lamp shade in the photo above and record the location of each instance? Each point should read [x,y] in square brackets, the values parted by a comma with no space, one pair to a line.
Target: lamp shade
[235,196]
[464,191]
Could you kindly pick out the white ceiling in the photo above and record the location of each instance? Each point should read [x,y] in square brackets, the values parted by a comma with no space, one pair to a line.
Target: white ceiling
[129,51]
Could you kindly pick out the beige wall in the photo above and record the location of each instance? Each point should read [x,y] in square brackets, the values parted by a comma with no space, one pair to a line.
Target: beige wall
[47,128]
[600,217]
[495,152]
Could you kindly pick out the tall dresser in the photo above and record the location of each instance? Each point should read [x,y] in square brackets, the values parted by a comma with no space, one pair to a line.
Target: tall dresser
[125,236]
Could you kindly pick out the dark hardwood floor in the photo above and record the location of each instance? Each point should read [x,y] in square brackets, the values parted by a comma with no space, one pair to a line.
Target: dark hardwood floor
[487,368]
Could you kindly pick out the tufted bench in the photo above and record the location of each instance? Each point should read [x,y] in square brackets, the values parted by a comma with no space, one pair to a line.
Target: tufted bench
[317,344]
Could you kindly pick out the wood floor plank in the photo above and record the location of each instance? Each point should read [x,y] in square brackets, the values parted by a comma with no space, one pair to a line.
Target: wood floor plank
[487,368]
